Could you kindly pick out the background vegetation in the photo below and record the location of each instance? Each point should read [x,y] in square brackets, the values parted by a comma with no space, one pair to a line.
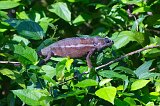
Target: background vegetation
[26,26]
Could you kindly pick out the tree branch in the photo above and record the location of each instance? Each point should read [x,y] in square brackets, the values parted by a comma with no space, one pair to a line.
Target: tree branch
[10,62]
[128,54]
[111,62]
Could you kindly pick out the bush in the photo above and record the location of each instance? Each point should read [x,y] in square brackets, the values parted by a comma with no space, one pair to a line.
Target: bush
[27,26]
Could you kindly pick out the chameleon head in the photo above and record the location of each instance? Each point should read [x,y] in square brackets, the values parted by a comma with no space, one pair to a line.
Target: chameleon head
[103,42]
[44,51]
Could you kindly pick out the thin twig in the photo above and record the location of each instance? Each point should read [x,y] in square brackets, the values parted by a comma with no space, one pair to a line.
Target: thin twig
[9,62]
[153,69]
[128,54]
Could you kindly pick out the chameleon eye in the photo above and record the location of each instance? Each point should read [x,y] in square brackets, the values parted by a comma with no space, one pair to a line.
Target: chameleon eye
[95,44]
[107,40]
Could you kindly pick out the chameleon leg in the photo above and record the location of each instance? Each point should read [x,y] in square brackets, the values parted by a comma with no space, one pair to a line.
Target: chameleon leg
[42,62]
[88,58]
[48,56]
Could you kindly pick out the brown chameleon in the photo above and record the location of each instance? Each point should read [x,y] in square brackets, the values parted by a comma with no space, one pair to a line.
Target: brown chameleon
[76,47]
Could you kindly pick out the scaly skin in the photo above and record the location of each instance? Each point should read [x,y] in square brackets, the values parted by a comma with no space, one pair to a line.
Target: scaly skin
[76,47]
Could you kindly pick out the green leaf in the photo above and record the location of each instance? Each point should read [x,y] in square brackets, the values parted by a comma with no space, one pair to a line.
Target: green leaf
[100,6]
[157,85]
[44,23]
[107,93]
[152,20]
[130,2]
[130,101]
[31,96]
[125,69]
[4,26]
[20,39]
[49,71]
[86,83]
[60,69]
[104,81]
[25,55]
[22,15]
[14,75]
[139,84]
[81,18]
[139,38]
[3,15]
[84,1]
[68,64]
[148,75]
[154,52]
[61,10]
[141,10]
[8,4]
[143,69]
[119,102]
[8,73]
[27,28]
[69,94]
[150,104]
[112,74]
[123,38]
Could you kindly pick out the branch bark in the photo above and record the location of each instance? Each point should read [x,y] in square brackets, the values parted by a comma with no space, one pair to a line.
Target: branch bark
[9,62]
[128,54]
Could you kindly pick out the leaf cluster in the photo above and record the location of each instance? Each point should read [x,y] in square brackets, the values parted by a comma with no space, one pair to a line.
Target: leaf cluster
[27,26]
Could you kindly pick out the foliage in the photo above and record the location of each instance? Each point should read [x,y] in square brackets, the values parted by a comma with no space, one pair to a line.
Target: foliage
[26,26]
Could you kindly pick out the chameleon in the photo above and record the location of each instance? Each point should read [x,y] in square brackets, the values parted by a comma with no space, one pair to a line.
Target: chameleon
[76,47]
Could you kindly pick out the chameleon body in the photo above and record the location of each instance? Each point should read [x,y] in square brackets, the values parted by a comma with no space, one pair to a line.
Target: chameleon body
[76,47]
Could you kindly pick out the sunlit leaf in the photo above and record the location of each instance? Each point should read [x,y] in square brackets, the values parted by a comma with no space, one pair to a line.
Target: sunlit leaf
[61,10]
[68,64]
[14,75]
[86,83]
[141,9]
[139,84]
[8,73]
[31,96]
[8,4]
[131,2]
[81,18]
[150,104]
[20,39]
[60,69]
[107,93]
[25,55]
[48,70]
[104,81]
[123,38]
